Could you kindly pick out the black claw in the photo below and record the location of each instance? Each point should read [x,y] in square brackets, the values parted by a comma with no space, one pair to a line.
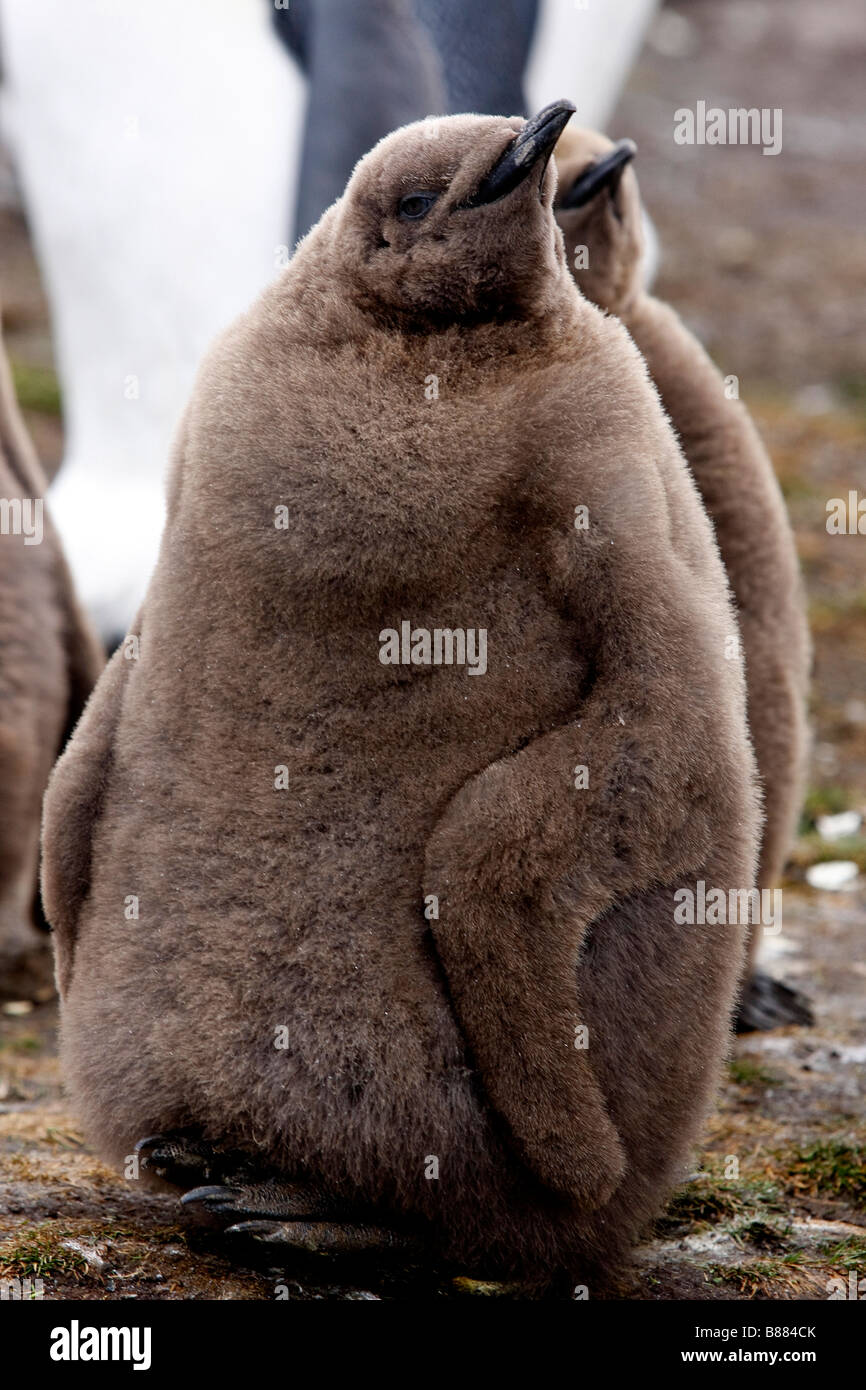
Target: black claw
[175,1158]
[257,1230]
[268,1201]
[151,1141]
[198,1193]
[216,1198]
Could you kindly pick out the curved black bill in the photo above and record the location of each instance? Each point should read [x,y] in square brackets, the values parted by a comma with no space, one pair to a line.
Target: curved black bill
[605,173]
[534,144]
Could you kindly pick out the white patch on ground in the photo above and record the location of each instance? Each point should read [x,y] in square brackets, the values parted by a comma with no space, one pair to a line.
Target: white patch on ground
[834,876]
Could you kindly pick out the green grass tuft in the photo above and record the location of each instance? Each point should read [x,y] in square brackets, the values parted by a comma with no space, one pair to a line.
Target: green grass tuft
[757,1277]
[24,1044]
[745,1073]
[37,388]
[762,1235]
[849,1253]
[823,801]
[40,1255]
[832,1169]
[811,849]
[852,389]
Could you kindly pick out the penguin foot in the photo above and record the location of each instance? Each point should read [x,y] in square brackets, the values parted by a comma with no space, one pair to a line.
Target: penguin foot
[29,973]
[767,1003]
[328,1238]
[183,1160]
[250,1201]
[268,1211]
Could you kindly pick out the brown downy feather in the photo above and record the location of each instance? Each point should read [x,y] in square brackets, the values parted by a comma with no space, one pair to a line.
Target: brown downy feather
[259,826]
[734,476]
[49,662]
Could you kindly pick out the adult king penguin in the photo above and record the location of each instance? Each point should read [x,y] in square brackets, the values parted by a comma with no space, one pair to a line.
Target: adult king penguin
[598,209]
[368,945]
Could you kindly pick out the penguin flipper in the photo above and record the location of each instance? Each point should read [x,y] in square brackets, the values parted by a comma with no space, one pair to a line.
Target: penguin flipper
[71,810]
[512,974]
[522,864]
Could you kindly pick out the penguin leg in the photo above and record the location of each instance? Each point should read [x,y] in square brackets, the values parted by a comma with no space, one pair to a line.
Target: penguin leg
[183,1159]
[227,1186]
[767,1003]
[245,1198]
[273,1212]
[327,1238]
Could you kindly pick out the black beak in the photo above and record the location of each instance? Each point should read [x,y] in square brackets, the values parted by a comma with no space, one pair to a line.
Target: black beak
[534,144]
[605,173]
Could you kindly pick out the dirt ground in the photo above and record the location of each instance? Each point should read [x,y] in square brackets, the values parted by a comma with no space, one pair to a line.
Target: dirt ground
[765,257]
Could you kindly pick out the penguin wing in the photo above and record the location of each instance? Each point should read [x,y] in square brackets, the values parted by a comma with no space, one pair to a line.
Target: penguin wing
[510,954]
[522,863]
[71,810]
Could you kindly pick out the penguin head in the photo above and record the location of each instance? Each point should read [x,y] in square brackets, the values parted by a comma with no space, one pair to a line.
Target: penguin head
[598,210]
[451,219]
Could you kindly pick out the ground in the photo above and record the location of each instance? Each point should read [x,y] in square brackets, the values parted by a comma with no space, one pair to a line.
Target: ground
[765,257]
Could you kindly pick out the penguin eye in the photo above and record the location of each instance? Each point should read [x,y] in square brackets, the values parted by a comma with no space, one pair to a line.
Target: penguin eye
[415,206]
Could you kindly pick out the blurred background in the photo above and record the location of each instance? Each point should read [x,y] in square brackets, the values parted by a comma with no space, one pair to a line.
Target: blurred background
[201,124]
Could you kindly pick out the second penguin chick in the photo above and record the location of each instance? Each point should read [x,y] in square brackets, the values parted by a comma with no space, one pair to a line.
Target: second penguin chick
[49,662]
[599,213]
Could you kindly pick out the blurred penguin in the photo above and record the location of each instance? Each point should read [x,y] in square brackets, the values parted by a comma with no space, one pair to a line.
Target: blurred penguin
[49,662]
[598,209]
[159,190]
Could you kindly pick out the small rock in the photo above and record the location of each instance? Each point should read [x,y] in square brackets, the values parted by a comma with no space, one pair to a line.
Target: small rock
[736,248]
[834,876]
[672,35]
[91,1257]
[840,826]
[17,1008]
[483,1288]
[815,400]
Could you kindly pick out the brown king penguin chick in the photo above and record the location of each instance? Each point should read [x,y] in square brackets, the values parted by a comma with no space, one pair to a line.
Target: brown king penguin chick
[49,662]
[362,869]
[598,210]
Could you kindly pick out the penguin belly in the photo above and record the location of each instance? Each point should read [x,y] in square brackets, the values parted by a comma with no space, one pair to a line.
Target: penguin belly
[279,989]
